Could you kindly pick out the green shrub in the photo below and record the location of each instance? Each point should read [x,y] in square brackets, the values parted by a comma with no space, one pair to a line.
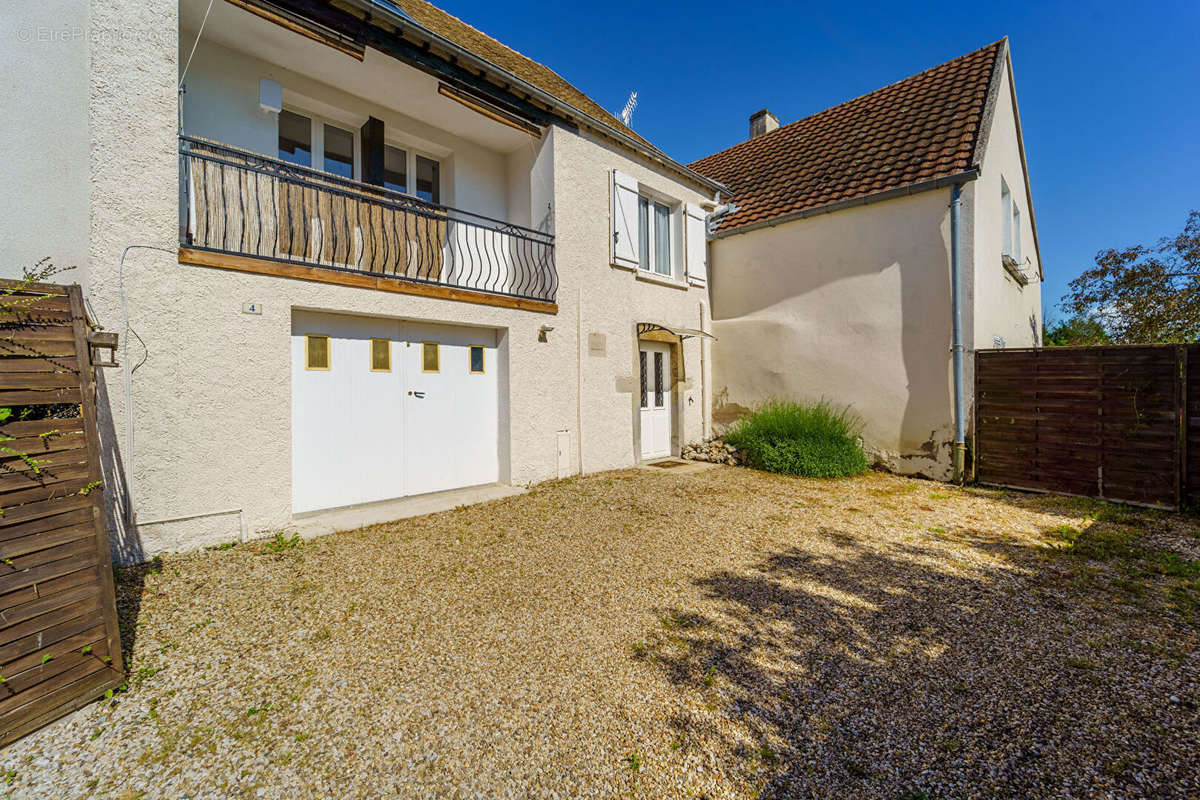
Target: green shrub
[817,440]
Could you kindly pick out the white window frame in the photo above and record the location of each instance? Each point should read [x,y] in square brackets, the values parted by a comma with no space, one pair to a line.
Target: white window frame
[673,244]
[317,136]
[320,114]
[1016,233]
[1006,219]
[410,165]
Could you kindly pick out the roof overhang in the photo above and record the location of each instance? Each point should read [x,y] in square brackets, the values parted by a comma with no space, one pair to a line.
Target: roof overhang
[468,58]
[683,333]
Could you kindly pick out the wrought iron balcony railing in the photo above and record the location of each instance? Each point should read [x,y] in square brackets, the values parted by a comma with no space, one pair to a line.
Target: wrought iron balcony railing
[241,203]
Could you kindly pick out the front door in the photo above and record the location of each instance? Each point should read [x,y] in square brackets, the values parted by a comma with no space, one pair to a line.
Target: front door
[654,359]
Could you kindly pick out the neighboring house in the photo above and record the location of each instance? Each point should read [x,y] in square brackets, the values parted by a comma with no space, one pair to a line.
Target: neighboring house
[835,278]
[358,251]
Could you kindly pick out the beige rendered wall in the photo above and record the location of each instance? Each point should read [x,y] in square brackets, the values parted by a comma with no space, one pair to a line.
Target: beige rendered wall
[852,306]
[210,398]
[44,52]
[1002,307]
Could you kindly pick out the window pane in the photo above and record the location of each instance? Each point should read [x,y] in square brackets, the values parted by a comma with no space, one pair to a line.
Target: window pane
[662,239]
[395,168]
[658,379]
[316,351]
[339,152]
[1016,234]
[1006,219]
[642,356]
[295,138]
[428,180]
[643,233]
[430,362]
[381,355]
[476,358]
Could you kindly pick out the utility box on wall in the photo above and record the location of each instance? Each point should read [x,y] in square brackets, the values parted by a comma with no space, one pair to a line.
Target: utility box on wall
[564,453]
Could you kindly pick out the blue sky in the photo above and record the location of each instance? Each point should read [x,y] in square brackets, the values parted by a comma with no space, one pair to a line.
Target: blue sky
[1109,92]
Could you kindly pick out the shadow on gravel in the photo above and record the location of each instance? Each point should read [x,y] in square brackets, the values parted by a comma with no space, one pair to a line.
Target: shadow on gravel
[904,671]
[130,584]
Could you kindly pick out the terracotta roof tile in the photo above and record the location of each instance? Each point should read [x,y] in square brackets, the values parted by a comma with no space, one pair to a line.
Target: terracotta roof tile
[919,129]
[450,27]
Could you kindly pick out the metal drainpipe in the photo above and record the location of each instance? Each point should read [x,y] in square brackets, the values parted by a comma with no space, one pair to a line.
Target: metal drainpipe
[956,347]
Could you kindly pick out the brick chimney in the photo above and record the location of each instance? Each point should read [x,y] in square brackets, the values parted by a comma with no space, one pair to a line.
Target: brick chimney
[762,122]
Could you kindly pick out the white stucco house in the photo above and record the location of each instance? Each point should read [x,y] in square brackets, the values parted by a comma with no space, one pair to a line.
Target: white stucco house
[359,252]
[356,251]
[863,231]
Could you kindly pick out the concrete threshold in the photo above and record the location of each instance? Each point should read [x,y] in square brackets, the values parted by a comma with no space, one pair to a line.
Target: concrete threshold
[677,466]
[320,523]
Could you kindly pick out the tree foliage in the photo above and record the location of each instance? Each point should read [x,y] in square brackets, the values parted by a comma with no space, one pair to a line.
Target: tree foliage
[1144,294]
[1077,331]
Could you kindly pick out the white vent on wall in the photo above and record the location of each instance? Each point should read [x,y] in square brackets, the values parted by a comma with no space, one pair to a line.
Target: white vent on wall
[999,342]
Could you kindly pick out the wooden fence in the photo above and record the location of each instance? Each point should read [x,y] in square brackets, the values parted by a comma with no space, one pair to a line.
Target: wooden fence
[59,642]
[1120,423]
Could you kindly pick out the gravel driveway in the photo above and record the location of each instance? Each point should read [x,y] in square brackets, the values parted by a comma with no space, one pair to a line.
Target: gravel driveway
[724,633]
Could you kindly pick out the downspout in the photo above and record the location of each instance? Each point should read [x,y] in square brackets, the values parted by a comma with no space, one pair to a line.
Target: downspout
[956,345]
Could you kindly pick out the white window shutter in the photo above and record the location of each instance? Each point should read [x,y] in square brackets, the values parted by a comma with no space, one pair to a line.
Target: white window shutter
[624,234]
[697,250]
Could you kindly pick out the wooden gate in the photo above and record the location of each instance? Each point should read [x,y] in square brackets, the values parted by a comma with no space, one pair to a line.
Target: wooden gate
[59,642]
[1097,421]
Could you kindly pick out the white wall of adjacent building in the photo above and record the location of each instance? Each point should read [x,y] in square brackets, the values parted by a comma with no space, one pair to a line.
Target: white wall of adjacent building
[1004,309]
[854,306]
[45,48]
[851,307]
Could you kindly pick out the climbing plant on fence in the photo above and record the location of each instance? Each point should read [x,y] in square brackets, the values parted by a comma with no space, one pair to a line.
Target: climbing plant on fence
[59,644]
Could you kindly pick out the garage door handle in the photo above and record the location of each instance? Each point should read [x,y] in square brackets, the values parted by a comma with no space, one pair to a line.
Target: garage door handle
[417,394]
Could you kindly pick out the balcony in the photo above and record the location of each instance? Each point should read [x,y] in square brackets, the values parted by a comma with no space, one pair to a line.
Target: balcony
[241,210]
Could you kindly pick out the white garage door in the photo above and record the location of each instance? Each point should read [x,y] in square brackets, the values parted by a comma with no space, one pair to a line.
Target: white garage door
[384,409]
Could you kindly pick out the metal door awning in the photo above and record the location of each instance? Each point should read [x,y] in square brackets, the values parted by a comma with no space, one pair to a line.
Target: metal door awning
[683,333]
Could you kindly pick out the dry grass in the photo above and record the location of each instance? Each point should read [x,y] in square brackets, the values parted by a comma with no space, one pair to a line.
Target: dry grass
[653,634]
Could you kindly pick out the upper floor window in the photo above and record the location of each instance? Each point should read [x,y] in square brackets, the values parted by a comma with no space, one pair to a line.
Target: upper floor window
[654,236]
[429,180]
[395,169]
[339,151]
[295,138]
[1016,237]
[1010,225]
[1010,221]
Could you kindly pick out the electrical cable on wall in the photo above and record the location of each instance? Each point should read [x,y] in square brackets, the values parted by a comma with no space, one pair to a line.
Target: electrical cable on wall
[126,331]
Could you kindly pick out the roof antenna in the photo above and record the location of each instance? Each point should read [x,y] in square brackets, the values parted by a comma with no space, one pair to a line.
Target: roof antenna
[627,111]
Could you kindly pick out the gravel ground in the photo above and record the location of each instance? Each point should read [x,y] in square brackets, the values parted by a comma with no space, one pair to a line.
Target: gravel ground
[717,634]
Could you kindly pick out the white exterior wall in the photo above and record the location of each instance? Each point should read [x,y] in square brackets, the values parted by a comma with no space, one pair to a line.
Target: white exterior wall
[1002,306]
[44,52]
[853,307]
[614,300]
[221,103]
[210,397]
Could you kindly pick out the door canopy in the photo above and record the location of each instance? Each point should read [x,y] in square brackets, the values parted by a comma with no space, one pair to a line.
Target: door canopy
[644,328]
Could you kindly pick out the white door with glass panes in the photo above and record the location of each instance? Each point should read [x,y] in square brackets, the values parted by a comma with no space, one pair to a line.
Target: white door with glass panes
[451,405]
[654,366]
